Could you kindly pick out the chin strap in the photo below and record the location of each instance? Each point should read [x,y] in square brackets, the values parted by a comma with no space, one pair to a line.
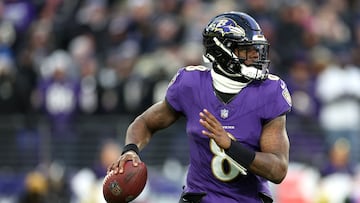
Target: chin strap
[250,72]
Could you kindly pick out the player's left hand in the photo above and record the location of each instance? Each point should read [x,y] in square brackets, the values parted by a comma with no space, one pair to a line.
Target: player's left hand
[214,129]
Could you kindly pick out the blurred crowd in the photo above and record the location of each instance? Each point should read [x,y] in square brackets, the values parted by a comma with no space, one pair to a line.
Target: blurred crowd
[61,59]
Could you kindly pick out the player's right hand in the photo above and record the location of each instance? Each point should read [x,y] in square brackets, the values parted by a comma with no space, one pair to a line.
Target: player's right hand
[118,165]
[214,129]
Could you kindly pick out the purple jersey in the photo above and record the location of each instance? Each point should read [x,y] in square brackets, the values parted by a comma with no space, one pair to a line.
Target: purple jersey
[190,92]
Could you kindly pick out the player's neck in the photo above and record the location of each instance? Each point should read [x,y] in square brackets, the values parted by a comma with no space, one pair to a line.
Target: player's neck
[226,85]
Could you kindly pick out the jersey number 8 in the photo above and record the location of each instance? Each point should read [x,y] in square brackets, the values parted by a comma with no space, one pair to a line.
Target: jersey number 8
[219,160]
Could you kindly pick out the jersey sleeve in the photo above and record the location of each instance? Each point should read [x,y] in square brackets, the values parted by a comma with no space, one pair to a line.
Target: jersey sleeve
[174,90]
[279,100]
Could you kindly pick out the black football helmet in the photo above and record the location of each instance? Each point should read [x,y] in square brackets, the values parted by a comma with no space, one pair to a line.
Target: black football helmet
[236,30]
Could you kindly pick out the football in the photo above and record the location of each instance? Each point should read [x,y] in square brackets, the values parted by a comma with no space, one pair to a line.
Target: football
[125,187]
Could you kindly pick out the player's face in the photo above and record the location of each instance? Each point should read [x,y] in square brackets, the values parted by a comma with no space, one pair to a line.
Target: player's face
[249,53]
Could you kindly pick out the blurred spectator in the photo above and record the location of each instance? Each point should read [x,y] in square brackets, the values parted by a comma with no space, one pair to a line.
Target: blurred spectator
[194,15]
[289,31]
[301,84]
[85,66]
[85,188]
[89,88]
[338,88]
[335,188]
[20,14]
[58,177]
[330,27]
[109,151]
[8,103]
[26,82]
[168,30]
[39,44]
[8,34]
[304,115]
[93,18]
[140,26]
[58,99]
[46,183]
[87,183]
[36,188]
[108,82]
[133,92]
[338,159]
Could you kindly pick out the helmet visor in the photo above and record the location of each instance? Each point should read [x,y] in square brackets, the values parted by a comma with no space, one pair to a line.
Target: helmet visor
[253,54]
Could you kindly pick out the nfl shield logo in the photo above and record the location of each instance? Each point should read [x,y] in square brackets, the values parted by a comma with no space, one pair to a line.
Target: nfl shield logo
[224,113]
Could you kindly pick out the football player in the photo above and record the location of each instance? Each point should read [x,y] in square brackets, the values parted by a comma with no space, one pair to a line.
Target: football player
[236,117]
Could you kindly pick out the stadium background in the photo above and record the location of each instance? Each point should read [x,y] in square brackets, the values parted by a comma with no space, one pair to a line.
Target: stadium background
[74,74]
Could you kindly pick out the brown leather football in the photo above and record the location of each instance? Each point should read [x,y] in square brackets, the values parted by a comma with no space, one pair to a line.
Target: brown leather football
[125,187]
